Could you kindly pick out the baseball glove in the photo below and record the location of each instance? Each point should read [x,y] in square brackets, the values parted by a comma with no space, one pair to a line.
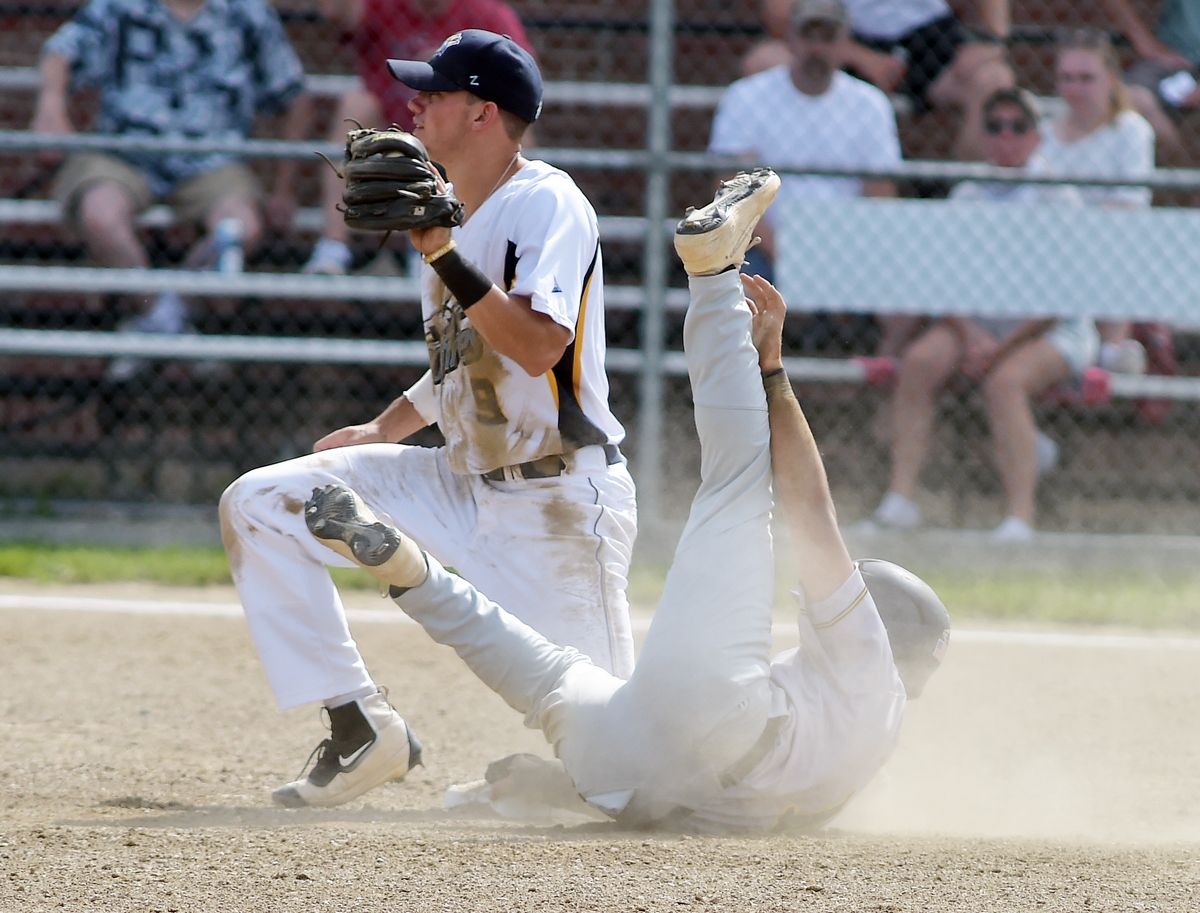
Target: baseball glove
[389,184]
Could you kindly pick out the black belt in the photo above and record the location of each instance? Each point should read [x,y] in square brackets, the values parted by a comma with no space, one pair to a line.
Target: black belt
[549,467]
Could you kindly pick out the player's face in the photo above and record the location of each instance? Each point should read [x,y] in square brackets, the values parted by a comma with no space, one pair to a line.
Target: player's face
[441,120]
[1009,136]
[1083,81]
[819,47]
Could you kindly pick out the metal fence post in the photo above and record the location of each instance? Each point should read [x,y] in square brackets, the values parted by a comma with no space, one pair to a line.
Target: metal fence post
[658,144]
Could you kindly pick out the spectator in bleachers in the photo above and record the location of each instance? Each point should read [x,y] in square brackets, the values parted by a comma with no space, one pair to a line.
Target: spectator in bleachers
[808,113]
[1012,360]
[773,50]
[1162,82]
[920,48]
[401,30]
[1100,135]
[170,68]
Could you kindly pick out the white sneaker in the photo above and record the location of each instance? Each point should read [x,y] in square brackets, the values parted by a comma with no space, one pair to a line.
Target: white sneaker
[329,258]
[167,316]
[717,236]
[1013,529]
[1125,357]
[1046,449]
[369,744]
[336,515]
[896,511]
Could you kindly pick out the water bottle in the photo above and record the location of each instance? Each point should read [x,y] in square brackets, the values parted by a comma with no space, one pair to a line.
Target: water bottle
[227,246]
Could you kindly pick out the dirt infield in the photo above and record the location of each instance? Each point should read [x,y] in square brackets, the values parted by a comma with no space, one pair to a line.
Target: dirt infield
[1038,773]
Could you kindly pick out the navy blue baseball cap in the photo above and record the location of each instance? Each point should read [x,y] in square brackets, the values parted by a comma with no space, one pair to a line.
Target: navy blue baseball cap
[492,66]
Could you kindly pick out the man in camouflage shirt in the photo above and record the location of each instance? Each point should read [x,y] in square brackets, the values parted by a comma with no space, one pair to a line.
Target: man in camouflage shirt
[171,68]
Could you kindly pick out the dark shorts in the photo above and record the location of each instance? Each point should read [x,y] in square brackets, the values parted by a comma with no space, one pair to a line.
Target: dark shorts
[927,50]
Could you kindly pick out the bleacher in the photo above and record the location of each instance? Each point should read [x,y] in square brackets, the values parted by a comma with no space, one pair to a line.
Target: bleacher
[273,389]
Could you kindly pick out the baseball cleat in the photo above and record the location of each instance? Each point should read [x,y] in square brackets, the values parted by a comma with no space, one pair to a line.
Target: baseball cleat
[369,744]
[339,518]
[716,237]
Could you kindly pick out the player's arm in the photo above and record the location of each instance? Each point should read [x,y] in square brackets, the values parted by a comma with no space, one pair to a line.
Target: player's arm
[509,323]
[401,419]
[801,486]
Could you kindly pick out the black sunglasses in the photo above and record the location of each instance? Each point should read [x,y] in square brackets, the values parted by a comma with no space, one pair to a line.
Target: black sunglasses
[1019,127]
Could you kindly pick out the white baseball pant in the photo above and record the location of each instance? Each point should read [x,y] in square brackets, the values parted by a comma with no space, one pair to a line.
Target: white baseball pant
[700,697]
[556,549]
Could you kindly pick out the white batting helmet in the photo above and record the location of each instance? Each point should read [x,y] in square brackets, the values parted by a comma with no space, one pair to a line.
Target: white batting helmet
[917,623]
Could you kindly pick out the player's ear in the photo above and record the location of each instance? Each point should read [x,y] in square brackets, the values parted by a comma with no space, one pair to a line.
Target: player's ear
[486,114]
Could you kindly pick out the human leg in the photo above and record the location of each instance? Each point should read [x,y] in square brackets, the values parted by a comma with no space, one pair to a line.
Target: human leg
[924,370]
[229,192]
[294,612]
[331,255]
[1029,370]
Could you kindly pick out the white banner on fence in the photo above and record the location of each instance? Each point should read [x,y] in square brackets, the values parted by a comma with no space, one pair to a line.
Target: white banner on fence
[989,259]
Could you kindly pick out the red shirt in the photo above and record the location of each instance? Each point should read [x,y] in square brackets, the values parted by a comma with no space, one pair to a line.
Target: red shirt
[393,29]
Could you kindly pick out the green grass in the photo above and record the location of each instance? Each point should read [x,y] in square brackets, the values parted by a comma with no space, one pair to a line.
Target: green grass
[1138,600]
[171,565]
[1123,599]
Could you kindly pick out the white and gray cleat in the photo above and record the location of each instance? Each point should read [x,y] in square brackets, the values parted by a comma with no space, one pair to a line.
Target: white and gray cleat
[715,237]
[369,744]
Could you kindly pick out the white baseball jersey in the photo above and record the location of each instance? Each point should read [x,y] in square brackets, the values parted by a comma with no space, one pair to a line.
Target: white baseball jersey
[536,236]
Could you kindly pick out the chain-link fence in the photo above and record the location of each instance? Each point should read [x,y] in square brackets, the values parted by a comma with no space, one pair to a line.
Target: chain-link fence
[888,296]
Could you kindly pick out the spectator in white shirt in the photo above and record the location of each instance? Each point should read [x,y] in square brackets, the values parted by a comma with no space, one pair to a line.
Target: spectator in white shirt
[810,114]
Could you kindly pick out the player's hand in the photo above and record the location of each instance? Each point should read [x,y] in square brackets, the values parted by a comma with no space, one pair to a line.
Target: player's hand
[766,329]
[368,433]
[427,240]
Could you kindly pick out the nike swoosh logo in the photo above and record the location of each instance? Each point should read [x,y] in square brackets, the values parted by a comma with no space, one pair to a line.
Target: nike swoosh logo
[347,762]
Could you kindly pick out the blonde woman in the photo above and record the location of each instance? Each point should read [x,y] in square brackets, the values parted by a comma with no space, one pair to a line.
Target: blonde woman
[1098,134]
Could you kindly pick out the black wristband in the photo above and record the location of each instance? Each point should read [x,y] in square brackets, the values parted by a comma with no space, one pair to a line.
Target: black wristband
[462,278]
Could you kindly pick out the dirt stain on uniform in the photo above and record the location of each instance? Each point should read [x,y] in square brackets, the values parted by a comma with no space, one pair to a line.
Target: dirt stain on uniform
[291,505]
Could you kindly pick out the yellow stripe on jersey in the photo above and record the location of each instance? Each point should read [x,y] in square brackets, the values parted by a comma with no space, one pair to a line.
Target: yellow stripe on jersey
[553,386]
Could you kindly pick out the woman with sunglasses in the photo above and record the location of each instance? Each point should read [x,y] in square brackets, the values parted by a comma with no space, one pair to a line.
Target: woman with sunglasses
[1012,360]
[1098,134]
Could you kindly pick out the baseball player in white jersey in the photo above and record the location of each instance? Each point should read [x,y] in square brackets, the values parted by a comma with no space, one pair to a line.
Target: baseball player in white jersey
[529,499]
[708,732]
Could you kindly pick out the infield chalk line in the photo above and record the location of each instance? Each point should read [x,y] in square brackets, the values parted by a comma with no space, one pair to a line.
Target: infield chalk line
[640,624]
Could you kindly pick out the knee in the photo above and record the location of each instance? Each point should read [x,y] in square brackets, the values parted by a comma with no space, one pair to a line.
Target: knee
[921,373]
[1004,386]
[105,210]
[360,107]
[246,212]
[231,507]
